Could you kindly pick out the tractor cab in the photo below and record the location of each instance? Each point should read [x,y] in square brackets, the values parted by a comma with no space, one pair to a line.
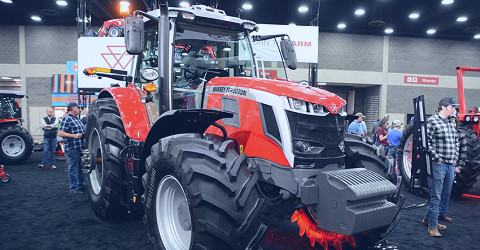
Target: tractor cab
[10,109]
[206,44]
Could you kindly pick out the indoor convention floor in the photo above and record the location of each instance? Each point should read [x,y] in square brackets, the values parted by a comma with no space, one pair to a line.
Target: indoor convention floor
[38,212]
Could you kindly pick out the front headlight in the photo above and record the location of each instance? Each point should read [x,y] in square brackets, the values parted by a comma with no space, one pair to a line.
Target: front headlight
[468,118]
[475,119]
[317,108]
[298,104]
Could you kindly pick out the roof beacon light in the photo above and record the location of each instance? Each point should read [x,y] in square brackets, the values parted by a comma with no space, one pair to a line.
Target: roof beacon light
[124,7]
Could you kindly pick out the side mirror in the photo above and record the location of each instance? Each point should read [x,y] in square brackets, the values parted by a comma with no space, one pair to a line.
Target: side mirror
[288,53]
[134,35]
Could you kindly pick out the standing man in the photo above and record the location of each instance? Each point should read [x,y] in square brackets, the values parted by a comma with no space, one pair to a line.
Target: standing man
[443,146]
[394,137]
[356,127]
[49,127]
[72,129]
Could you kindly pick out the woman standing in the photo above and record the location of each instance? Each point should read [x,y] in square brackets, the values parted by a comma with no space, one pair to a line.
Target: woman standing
[382,132]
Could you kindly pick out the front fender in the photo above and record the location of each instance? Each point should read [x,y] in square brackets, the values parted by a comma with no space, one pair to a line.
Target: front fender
[179,122]
[132,110]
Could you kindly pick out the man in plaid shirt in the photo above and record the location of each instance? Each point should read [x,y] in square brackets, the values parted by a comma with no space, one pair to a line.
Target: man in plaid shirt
[443,146]
[72,129]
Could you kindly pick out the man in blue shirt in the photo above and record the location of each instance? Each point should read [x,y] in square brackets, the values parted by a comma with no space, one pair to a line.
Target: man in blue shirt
[72,129]
[393,138]
[356,127]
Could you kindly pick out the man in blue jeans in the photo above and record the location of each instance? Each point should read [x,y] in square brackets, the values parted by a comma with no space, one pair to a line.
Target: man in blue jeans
[49,127]
[394,137]
[72,129]
[443,146]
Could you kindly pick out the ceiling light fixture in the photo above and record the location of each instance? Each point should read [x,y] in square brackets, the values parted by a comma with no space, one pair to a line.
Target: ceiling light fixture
[6,78]
[247,6]
[447,2]
[62,3]
[184,4]
[17,80]
[7,1]
[36,18]
[431,31]
[359,12]
[389,30]
[462,19]
[302,9]
[341,26]
[414,15]
[292,24]
[477,36]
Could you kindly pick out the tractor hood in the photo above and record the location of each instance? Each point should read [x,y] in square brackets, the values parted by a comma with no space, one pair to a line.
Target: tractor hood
[288,89]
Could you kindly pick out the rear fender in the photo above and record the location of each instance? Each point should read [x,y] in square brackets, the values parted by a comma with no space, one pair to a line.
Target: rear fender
[132,110]
[180,122]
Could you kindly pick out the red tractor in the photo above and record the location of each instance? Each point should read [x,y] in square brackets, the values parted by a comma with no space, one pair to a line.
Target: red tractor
[202,166]
[469,125]
[16,143]
[112,28]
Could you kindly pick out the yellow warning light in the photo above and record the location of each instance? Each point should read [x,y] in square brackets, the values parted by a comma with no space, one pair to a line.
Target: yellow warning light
[124,7]
[90,71]
[149,87]
[134,199]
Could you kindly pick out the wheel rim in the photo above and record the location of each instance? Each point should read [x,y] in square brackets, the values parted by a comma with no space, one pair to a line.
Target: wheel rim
[13,145]
[96,176]
[407,156]
[173,215]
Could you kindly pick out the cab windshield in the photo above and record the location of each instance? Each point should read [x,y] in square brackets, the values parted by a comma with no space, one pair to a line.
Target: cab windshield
[199,54]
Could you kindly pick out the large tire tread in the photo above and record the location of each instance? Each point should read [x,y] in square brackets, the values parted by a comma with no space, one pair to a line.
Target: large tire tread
[468,176]
[105,117]
[202,166]
[16,129]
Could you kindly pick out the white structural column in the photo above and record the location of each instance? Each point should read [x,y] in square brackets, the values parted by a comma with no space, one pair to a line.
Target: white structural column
[383,88]
[23,75]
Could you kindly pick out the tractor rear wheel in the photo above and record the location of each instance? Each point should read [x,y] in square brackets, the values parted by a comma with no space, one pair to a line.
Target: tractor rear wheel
[105,140]
[199,194]
[16,144]
[468,176]
[405,154]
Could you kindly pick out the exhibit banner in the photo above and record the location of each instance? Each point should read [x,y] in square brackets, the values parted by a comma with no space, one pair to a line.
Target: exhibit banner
[305,39]
[104,52]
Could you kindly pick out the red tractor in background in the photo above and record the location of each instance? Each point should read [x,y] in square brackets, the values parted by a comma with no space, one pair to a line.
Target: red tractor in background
[202,167]
[16,143]
[112,28]
[469,125]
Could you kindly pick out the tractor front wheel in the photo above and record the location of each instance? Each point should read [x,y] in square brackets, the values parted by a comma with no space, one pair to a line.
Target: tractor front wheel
[105,140]
[199,194]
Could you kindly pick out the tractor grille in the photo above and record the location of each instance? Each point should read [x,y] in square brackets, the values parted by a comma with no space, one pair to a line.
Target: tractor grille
[323,133]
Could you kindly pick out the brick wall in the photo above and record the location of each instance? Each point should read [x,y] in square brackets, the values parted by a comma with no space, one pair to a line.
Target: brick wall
[400,99]
[350,52]
[39,90]
[429,56]
[50,44]
[9,50]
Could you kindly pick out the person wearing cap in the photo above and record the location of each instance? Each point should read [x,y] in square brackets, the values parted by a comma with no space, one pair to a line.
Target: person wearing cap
[393,138]
[443,147]
[356,127]
[72,129]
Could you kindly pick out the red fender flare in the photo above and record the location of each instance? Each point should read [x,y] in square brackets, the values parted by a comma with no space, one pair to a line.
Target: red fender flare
[132,110]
